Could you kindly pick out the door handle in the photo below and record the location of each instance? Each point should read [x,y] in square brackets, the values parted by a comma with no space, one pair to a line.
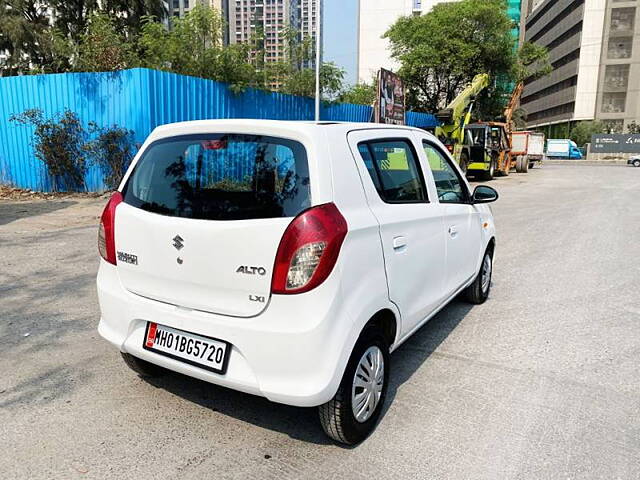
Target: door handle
[399,243]
[453,231]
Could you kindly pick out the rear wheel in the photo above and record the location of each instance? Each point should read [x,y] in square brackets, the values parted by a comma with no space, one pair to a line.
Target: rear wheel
[489,174]
[352,414]
[142,367]
[478,291]
[519,164]
[525,164]
[636,163]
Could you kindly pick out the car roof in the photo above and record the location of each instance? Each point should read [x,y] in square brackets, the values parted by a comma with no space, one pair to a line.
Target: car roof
[288,124]
[286,128]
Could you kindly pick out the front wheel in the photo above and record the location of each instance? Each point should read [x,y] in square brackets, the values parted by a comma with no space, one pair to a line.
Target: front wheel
[636,163]
[352,414]
[464,162]
[478,291]
[506,167]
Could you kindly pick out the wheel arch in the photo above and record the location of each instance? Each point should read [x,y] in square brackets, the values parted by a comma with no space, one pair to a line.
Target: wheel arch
[384,320]
[491,246]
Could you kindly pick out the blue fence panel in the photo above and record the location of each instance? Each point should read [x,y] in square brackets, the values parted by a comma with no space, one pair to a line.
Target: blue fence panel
[422,120]
[105,98]
[345,112]
[139,100]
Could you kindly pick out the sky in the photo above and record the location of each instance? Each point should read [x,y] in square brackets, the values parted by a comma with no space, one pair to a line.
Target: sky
[341,35]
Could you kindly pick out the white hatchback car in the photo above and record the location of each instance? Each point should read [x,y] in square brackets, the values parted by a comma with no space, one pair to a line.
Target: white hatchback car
[288,259]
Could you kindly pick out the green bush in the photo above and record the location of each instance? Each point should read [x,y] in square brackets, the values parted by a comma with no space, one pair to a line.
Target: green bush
[59,144]
[112,150]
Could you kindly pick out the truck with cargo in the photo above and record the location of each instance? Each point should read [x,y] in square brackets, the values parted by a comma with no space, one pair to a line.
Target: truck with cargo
[527,148]
[563,148]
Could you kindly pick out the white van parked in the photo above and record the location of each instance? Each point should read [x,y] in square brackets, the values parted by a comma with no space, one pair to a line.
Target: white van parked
[289,259]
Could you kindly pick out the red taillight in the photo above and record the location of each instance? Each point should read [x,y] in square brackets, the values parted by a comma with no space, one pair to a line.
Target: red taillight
[308,250]
[450,148]
[106,231]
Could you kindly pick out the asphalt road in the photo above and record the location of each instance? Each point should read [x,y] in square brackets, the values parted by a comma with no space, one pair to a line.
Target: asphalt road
[542,381]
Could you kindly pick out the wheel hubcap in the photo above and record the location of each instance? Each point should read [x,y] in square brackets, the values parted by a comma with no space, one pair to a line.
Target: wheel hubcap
[486,273]
[367,384]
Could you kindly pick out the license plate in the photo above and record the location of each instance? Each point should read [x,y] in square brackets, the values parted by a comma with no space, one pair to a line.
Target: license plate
[204,352]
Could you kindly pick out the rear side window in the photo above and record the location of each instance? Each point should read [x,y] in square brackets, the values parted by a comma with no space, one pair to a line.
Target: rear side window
[394,170]
[221,177]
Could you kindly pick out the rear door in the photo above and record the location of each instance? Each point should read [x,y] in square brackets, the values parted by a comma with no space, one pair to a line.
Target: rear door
[411,228]
[461,227]
[203,216]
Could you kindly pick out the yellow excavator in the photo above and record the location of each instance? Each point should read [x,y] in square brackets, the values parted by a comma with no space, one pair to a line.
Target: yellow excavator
[455,117]
[490,143]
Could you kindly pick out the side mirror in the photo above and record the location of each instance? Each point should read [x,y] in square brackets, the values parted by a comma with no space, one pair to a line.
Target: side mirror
[484,194]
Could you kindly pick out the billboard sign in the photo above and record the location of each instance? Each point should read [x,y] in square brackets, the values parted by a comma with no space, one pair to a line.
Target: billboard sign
[390,99]
[615,143]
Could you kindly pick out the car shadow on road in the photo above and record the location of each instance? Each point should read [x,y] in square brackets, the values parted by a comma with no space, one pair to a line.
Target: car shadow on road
[12,211]
[303,423]
[412,354]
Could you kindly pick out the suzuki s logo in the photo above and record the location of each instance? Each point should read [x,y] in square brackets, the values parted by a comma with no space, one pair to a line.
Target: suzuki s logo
[178,242]
[251,270]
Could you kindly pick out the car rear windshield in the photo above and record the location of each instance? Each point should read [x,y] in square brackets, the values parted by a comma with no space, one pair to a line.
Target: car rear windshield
[221,177]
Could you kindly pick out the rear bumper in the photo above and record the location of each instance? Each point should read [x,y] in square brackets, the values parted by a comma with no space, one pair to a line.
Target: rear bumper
[296,359]
[479,166]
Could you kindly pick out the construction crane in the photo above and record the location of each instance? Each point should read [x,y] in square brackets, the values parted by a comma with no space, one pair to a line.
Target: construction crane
[456,116]
[517,159]
[490,150]
[512,105]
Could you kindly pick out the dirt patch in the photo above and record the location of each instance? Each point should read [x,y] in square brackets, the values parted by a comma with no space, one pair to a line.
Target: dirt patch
[12,193]
[38,214]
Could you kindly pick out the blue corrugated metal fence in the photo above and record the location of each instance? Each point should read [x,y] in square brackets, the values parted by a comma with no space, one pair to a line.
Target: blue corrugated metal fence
[139,100]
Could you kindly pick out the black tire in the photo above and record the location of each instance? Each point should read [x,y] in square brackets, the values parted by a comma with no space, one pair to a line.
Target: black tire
[142,367]
[464,162]
[519,164]
[489,174]
[336,416]
[525,164]
[475,293]
[636,163]
[507,166]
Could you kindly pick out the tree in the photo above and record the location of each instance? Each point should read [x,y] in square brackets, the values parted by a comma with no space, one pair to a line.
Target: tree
[581,133]
[303,82]
[532,62]
[633,128]
[102,48]
[44,37]
[193,46]
[442,51]
[520,118]
[29,40]
[359,94]
[71,17]
[130,14]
